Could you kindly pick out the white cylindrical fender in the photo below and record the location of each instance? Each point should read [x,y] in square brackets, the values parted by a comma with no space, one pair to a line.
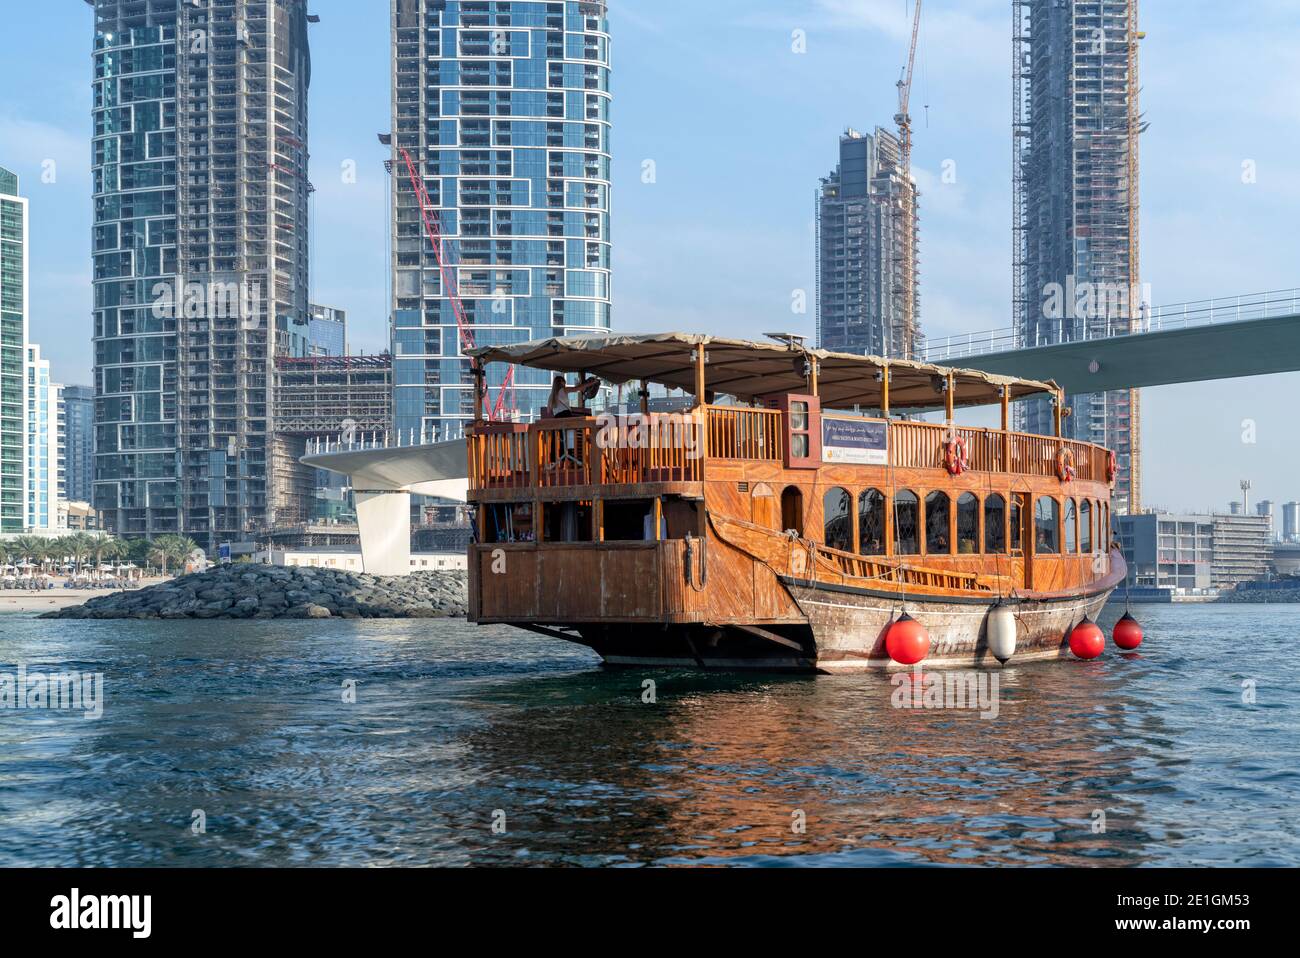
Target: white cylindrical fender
[1001,631]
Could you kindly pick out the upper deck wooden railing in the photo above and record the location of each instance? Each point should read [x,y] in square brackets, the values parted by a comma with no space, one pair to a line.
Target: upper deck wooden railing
[558,453]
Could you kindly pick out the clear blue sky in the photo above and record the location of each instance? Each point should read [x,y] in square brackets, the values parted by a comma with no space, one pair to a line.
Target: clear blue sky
[740,128]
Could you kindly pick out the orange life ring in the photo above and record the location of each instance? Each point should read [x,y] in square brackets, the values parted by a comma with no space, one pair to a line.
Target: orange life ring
[956,456]
[1065,465]
[1112,467]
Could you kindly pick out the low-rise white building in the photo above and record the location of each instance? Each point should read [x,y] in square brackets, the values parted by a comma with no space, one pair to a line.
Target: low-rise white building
[349,560]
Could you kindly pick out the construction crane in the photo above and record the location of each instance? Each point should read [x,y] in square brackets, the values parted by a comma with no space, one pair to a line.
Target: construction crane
[450,287]
[907,205]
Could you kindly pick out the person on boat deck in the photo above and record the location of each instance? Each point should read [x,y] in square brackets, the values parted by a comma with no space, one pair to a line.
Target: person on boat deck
[558,404]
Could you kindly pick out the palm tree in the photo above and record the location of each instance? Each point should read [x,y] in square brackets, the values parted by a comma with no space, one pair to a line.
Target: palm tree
[104,546]
[137,550]
[161,549]
[184,547]
[31,548]
[79,545]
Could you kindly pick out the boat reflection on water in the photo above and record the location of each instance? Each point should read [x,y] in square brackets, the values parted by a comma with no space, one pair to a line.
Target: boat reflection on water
[726,769]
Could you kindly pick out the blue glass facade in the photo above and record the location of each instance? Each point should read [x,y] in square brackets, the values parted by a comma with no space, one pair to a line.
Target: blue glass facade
[327,332]
[503,107]
[199,153]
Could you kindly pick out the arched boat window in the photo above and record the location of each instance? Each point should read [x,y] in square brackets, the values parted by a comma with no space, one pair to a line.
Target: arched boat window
[871,523]
[937,508]
[906,522]
[995,524]
[792,509]
[1085,526]
[968,524]
[1071,532]
[836,512]
[1047,515]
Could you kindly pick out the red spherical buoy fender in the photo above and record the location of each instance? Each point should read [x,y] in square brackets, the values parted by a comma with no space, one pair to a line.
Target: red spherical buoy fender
[1127,633]
[907,642]
[1087,641]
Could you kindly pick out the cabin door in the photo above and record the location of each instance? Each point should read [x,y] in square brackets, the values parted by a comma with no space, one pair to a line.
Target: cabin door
[764,510]
[792,510]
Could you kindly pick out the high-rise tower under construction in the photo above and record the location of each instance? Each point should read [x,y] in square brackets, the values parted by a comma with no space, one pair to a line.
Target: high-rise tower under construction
[200,257]
[1077,271]
[863,234]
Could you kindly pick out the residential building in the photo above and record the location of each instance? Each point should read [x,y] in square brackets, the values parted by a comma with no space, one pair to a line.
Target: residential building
[501,110]
[1194,551]
[1166,551]
[1243,550]
[44,447]
[1076,251]
[79,406]
[79,517]
[199,155]
[862,240]
[13,355]
[328,332]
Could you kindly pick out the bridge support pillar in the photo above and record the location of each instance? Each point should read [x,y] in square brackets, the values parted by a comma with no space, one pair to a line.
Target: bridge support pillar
[384,518]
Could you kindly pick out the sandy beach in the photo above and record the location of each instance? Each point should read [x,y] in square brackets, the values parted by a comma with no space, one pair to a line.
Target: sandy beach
[21,600]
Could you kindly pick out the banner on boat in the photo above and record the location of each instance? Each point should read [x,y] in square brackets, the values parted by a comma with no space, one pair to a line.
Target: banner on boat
[862,442]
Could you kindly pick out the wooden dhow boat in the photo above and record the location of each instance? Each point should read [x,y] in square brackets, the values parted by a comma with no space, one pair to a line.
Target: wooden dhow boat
[784,517]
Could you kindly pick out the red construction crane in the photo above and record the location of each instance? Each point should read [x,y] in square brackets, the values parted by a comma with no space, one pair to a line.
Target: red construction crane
[449,286]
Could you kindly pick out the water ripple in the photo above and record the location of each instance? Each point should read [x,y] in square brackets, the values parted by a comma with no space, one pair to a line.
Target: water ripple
[454,728]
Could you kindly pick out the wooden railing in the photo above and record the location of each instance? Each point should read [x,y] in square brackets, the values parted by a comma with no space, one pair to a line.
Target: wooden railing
[919,445]
[498,457]
[585,452]
[853,566]
[740,433]
[674,448]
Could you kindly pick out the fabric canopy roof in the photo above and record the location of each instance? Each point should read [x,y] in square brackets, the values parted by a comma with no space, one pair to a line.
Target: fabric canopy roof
[747,370]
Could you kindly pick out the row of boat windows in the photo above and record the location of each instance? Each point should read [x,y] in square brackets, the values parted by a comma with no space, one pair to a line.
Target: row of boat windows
[1070,526]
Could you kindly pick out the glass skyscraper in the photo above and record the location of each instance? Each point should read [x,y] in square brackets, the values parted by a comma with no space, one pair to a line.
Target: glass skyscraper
[79,406]
[43,487]
[200,258]
[13,357]
[503,108]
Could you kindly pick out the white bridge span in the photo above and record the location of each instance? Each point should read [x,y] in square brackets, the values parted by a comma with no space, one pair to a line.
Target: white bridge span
[383,479]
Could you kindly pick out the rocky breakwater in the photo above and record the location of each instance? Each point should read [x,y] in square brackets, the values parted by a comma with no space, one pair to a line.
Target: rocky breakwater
[275,592]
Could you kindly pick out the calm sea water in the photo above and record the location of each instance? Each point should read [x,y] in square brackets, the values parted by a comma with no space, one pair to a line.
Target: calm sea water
[453,725]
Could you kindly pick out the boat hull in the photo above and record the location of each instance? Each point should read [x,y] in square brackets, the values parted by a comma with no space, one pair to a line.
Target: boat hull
[849,626]
[846,633]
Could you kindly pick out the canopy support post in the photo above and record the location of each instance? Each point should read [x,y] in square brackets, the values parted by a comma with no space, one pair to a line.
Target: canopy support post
[480,381]
[884,391]
[699,375]
[1006,428]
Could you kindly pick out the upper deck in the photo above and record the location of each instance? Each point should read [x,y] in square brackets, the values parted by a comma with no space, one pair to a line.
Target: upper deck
[789,405]
[689,447]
